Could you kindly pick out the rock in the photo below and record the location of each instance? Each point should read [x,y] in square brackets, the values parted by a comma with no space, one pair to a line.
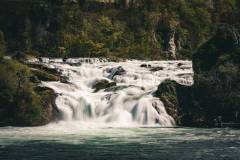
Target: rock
[48,98]
[64,79]
[179,64]
[156,69]
[117,71]
[167,93]
[39,75]
[145,65]
[117,88]
[75,64]
[53,71]
[34,79]
[103,84]
[216,80]
[64,59]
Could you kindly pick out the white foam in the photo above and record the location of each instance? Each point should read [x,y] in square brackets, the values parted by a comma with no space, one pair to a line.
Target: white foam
[133,105]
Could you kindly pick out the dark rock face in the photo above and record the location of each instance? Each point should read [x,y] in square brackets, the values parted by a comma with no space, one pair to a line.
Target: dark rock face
[103,84]
[168,95]
[51,111]
[179,103]
[217,75]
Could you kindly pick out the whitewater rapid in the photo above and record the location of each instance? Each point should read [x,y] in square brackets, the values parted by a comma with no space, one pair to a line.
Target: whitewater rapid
[128,101]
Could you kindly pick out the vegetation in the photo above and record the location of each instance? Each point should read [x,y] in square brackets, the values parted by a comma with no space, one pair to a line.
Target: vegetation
[20,101]
[141,29]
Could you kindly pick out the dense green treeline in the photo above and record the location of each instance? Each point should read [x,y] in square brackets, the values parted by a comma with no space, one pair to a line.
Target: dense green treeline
[144,29]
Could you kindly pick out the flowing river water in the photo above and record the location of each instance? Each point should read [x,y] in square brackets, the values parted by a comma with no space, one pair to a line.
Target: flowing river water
[109,110]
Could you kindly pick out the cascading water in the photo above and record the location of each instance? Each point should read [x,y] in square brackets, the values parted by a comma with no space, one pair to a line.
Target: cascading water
[127,97]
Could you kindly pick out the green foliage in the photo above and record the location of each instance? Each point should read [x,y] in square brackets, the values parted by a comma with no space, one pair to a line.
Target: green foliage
[20,104]
[61,28]
[2,45]
[217,76]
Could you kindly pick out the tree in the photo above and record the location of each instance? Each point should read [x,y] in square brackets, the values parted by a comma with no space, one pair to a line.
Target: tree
[2,45]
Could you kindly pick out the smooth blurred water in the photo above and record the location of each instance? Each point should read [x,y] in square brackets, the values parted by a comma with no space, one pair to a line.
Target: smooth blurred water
[52,143]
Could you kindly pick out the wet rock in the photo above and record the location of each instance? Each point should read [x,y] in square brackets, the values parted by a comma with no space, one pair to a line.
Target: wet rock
[54,71]
[103,84]
[117,71]
[168,95]
[156,69]
[64,79]
[64,59]
[179,64]
[145,65]
[38,75]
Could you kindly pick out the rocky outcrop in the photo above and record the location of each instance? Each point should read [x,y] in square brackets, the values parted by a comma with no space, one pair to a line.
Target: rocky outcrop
[50,111]
[180,103]
[42,75]
[168,95]
[217,75]
[216,88]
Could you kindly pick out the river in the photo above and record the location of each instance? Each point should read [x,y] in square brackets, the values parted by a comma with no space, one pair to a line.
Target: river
[52,142]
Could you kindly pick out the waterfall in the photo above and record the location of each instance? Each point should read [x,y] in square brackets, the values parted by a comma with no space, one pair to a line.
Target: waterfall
[125,94]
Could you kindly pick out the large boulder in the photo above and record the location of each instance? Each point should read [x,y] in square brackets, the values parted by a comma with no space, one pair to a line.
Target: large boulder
[180,103]
[167,93]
